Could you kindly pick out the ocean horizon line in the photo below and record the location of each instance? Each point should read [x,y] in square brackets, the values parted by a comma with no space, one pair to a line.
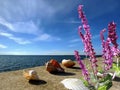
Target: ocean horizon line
[42,55]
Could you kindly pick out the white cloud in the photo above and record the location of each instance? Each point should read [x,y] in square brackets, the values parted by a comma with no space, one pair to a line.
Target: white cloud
[2,46]
[42,52]
[20,40]
[28,27]
[20,16]
[58,52]
[46,37]
[25,10]
[16,39]
[43,37]
[72,45]
[20,10]
[15,53]
[7,24]
[73,21]
[75,40]
[69,21]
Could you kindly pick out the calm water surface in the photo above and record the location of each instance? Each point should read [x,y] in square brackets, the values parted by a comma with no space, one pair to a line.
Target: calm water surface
[16,62]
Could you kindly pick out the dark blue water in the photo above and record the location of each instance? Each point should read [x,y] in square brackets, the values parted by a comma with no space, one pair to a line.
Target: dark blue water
[16,62]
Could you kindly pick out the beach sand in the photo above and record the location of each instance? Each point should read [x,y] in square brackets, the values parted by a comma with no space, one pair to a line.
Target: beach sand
[14,80]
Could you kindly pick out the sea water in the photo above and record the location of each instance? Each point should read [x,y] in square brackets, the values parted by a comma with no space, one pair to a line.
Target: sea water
[17,62]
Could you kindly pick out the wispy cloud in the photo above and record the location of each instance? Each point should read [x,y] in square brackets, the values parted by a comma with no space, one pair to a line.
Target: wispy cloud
[15,53]
[3,46]
[58,52]
[73,22]
[46,37]
[6,24]
[21,16]
[28,27]
[25,10]
[69,21]
[16,39]
[75,40]
[72,45]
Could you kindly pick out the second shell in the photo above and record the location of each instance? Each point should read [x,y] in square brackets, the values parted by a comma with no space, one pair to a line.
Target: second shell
[68,63]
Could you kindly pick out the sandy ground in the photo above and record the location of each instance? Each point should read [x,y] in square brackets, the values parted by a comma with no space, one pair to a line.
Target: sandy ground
[14,80]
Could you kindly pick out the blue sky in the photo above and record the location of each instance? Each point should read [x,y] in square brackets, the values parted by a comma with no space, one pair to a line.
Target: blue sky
[50,27]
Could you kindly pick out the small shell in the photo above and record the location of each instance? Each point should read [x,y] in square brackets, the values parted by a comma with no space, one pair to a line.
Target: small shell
[99,75]
[74,84]
[53,66]
[50,68]
[31,75]
[68,63]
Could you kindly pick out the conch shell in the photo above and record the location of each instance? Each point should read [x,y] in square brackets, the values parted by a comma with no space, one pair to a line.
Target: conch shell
[74,84]
[31,75]
[53,66]
[68,63]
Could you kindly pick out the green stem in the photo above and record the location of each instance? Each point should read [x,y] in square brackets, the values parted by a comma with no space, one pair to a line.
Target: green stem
[117,62]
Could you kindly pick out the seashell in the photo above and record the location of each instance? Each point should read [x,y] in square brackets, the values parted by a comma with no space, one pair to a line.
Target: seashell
[50,68]
[31,75]
[68,63]
[100,75]
[74,84]
[53,66]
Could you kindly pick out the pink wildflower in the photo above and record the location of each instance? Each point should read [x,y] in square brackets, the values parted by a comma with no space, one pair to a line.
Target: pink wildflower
[107,51]
[113,37]
[86,38]
[82,66]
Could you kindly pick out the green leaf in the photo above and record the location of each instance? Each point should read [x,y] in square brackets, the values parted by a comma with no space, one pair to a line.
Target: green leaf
[85,82]
[116,69]
[102,87]
[108,77]
[105,83]
[93,78]
[100,69]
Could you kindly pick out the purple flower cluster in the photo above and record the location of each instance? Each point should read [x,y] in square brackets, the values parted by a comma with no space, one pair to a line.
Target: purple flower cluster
[107,51]
[86,38]
[113,37]
[112,33]
[82,66]
[108,55]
